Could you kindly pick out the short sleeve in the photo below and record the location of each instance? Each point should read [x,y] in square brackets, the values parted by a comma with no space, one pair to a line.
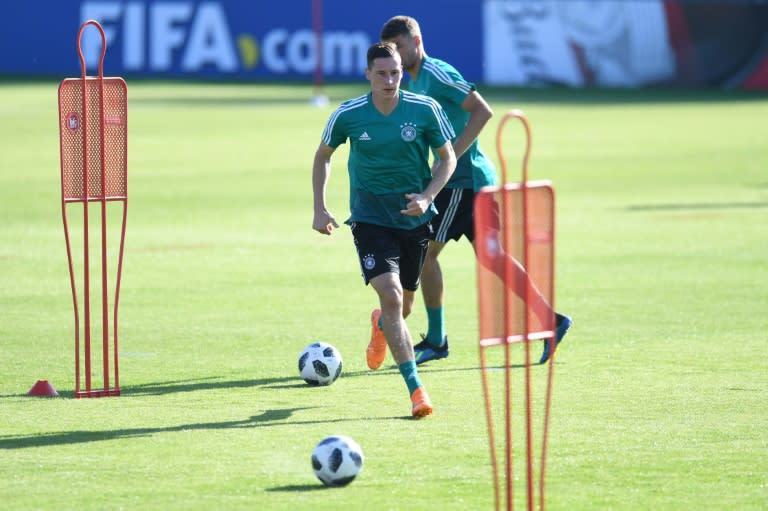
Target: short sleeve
[440,128]
[335,132]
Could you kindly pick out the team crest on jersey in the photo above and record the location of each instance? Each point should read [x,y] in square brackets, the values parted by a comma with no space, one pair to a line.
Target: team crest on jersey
[408,131]
[369,262]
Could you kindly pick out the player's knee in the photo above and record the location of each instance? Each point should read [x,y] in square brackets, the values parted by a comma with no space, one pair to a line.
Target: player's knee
[392,299]
[433,252]
[431,256]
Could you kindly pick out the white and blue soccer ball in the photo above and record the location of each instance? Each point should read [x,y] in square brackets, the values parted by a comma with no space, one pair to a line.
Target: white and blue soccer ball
[320,363]
[337,460]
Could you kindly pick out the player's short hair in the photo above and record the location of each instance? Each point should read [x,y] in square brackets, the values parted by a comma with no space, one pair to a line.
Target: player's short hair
[382,49]
[400,25]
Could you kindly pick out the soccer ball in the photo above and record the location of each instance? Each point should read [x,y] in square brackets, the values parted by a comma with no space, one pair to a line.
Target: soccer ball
[320,364]
[337,460]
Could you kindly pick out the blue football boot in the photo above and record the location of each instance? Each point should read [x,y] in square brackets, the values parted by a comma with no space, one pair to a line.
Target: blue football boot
[562,324]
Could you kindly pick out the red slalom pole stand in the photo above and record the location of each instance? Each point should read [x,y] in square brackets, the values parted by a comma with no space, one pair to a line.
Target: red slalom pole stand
[93,129]
[515,233]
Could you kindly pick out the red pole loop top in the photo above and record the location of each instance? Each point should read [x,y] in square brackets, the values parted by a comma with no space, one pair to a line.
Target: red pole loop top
[103,46]
[520,115]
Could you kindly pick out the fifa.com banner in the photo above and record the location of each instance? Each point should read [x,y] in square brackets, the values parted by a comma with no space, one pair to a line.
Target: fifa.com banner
[245,40]
[610,43]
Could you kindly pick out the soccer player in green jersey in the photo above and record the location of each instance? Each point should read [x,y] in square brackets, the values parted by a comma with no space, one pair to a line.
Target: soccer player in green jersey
[391,189]
[469,113]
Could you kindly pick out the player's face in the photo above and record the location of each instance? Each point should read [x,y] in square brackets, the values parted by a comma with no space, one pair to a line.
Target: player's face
[385,74]
[408,48]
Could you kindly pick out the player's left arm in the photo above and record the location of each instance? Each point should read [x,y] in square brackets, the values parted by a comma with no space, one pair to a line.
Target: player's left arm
[479,115]
[443,168]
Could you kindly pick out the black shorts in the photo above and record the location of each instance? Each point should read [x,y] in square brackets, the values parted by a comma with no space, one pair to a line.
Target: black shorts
[454,215]
[386,249]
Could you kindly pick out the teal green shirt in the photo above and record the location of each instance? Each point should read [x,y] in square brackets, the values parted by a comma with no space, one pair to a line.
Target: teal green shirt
[388,155]
[441,81]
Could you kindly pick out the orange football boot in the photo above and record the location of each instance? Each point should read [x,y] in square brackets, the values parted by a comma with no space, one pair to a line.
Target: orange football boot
[422,405]
[377,348]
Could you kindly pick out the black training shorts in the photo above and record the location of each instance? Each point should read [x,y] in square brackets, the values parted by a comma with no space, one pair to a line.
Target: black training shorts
[454,215]
[386,249]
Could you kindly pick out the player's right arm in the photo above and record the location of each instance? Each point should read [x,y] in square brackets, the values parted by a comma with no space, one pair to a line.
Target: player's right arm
[323,221]
[479,114]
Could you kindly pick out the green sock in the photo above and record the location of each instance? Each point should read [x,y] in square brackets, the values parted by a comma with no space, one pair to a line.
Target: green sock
[410,375]
[436,326]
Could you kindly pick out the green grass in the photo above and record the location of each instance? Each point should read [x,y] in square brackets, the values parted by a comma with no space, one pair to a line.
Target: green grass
[660,388]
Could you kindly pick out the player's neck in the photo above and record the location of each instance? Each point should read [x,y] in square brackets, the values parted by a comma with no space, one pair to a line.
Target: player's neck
[414,71]
[385,104]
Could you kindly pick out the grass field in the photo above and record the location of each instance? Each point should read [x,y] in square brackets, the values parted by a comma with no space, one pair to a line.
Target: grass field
[660,388]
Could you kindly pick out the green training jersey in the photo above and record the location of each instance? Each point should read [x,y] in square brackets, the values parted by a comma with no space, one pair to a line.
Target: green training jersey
[388,155]
[441,81]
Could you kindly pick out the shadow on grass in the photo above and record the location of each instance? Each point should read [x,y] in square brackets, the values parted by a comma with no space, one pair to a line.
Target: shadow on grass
[269,418]
[221,101]
[697,206]
[189,385]
[215,383]
[292,488]
[619,96]
[283,382]
[210,383]
[425,369]
[298,95]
